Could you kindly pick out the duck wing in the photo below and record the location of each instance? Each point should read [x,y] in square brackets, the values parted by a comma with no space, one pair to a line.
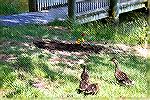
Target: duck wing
[121,76]
[92,89]
[83,85]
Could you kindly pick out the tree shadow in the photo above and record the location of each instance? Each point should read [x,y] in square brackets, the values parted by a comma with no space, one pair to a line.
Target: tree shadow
[134,62]
[109,81]
[24,63]
[64,65]
[57,75]
[97,61]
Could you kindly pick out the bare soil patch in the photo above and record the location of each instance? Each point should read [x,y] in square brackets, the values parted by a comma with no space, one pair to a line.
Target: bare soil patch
[68,46]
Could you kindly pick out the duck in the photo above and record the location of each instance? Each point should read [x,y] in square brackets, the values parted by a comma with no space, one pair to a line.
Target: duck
[84,83]
[84,74]
[92,89]
[120,76]
[83,86]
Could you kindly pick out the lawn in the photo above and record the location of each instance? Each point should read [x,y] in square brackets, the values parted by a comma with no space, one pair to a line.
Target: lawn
[27,71]
[13,6]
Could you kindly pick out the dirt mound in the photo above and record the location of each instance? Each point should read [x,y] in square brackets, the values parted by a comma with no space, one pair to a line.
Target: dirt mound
[67,46]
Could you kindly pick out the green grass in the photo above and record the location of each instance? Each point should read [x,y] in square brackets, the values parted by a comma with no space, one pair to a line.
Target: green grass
[148,75]
[13,6]
[132,29]
[24,63]
[62,82]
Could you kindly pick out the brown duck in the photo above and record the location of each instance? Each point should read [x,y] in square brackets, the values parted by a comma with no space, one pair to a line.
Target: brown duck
[84,79]
[92,89]
[120,76]
[83,86]
[84,75]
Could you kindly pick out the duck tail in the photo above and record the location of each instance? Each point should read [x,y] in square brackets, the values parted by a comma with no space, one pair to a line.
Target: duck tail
[133,82]
[129,82]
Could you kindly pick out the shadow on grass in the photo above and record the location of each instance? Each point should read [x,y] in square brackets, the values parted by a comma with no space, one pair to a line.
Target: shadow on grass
[64,65]
[24,63]
[57,75]
[12,94]
[27,64]
[97,62]
[134,62]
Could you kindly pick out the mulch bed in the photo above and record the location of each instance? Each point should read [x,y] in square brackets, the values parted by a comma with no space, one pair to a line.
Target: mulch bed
[67,46]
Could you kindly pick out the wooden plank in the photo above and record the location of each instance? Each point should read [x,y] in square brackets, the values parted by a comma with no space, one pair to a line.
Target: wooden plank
[93,11]
[127,3]
[98,16]
[93,15]
[131,7]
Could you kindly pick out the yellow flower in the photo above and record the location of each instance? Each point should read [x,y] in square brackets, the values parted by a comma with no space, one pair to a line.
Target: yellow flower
[78,41]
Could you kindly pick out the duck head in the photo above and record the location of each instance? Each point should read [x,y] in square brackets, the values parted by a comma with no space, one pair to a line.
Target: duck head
[83,66]
[114,60]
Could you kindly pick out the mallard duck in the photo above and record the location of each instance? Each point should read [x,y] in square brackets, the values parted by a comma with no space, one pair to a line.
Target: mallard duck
[83,85]
[120,76]
[92,89]
[84,75]
[84,79]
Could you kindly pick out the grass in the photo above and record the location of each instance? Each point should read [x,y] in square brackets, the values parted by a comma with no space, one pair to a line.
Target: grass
[9,7]
[22,63]
[132,29]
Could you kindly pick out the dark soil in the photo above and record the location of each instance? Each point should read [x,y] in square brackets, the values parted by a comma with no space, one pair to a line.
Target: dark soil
[67,46]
